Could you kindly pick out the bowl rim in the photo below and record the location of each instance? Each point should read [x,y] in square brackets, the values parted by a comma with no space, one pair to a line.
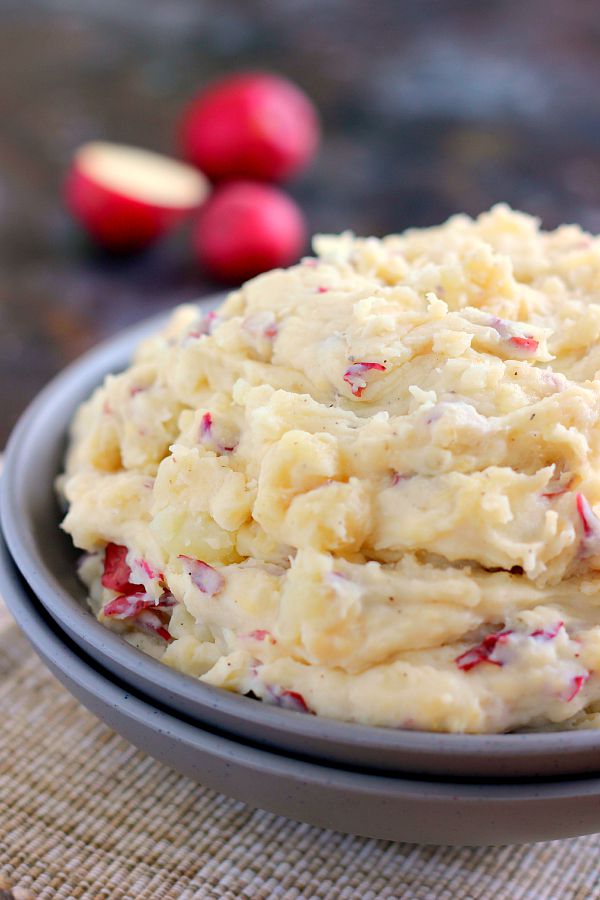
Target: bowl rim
[375,805]
[91,367]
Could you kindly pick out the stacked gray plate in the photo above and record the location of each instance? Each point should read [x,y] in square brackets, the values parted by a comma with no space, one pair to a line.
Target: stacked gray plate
[375,781]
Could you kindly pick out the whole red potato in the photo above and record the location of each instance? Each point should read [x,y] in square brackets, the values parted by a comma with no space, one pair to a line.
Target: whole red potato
[250,125]
[246,228]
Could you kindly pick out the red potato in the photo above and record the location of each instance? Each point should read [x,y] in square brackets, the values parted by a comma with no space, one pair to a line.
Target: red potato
[247,228]
[126,198]
[250,126]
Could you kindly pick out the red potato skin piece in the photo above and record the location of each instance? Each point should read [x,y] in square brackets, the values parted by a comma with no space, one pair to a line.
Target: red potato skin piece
[551,495]
[206,325]
[206,578]
[577,683]
[590,541]
[526,344]
[132,602]
[116,572]
[127,606]
[162,632]
[150,620]
[559,489]
[261,635]
[548,634]
[356,371]
[141,610]
[153,574]
[482,652]
[205,425]
[587,516]
[529,345]
[206,433]
[294,701]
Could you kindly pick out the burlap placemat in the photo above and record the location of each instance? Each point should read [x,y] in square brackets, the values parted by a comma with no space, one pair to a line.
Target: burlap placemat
[84,815]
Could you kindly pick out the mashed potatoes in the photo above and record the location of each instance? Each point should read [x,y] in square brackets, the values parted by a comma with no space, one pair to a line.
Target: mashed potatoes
[366,486]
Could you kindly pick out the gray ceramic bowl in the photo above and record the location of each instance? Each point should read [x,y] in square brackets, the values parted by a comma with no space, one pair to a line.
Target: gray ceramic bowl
[30,518]
[381,806]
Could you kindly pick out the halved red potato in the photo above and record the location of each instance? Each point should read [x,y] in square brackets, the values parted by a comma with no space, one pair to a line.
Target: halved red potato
[126,198]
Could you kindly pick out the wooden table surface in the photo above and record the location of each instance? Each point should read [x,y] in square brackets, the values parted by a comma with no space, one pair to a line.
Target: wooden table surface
[428,108]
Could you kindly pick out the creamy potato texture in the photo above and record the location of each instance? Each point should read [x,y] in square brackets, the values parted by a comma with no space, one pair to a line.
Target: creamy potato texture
[366,487]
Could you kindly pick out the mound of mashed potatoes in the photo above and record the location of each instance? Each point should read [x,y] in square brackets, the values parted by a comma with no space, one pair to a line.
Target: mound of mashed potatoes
[366,486]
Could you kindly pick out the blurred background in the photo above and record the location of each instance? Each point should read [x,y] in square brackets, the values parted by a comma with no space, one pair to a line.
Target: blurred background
[428,108]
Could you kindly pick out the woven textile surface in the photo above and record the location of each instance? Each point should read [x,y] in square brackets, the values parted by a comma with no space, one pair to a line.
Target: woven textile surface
[85,815]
